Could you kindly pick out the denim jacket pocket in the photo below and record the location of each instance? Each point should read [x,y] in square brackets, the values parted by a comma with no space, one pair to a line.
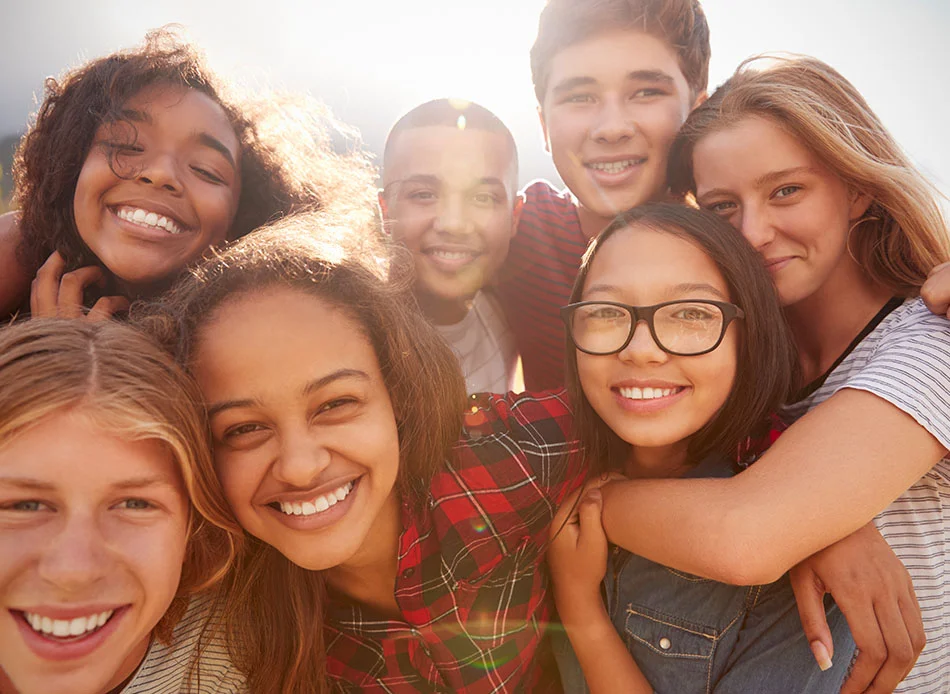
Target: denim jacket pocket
[674,655]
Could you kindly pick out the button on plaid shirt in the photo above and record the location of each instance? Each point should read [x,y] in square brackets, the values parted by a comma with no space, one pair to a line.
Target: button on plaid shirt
[471,583]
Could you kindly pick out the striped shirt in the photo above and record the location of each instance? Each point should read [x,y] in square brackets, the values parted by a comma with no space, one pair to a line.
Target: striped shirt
[537,278]
[485,346]
[906,361]
[171,668]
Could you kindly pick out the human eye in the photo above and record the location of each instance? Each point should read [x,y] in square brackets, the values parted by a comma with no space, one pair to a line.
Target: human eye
[422,196]
[336,404]
[578,98]
[786,191]
[485,199]
[26,506]
[648,92]
[602,312]
[207,175]
[135,505]
[722,207]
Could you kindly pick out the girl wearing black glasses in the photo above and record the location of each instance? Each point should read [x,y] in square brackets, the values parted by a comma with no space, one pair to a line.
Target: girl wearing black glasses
[677,355]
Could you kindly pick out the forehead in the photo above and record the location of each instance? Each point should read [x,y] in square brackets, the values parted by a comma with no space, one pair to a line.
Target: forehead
[184,110]
[613,55]
[749,148]
[644,264]
[455,155]
[273,342]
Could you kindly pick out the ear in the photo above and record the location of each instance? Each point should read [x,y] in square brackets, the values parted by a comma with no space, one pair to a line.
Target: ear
[860,202]
[544,130]
[516,213]
[700,98]
[383,211]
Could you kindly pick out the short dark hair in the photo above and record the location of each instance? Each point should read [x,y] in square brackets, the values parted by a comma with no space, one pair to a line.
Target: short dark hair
[768,363]
[446,112]
[287,157]
[681,23]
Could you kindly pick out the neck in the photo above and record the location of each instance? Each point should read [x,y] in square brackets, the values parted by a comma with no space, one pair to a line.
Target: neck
[825,323]
[441,311]
[658,461]
[591,222]
[369,576]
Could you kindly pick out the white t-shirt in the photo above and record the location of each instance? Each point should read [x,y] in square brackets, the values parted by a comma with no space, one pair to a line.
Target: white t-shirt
[165,668]
[906,361]
[485,347]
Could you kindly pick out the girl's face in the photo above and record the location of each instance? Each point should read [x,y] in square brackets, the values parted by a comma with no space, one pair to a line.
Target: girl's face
[790,207]
[649,398]
[93,530]
[177,190]
[305,439]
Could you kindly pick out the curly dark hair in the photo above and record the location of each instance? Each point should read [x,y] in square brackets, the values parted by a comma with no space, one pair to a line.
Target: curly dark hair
[288,158]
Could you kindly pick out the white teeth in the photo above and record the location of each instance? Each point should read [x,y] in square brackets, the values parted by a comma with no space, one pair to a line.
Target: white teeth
[647,393]
[146,218]
[317,505]
[452,255]
[613,166]
[64,628]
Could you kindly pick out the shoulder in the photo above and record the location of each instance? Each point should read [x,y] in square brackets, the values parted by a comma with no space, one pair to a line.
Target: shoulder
[527,416]
[911,331]
[14,278]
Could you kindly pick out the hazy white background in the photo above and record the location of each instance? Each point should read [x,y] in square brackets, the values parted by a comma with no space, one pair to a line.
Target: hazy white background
[372,60]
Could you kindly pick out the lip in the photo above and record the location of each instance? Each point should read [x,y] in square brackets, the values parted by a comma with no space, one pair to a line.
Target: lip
[48,649]
[648,406]
[609,179]
[320,520]
[776,264]
[467,255]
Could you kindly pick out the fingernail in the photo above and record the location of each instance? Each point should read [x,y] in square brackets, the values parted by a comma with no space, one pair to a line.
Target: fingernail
[821,655]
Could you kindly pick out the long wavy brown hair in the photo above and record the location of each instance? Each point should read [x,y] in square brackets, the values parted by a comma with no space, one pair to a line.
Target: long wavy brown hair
[903,234]
[134,390]
[274,608]
[294,155]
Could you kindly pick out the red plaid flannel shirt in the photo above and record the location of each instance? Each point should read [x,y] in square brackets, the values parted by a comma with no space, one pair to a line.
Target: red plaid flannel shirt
[471,583]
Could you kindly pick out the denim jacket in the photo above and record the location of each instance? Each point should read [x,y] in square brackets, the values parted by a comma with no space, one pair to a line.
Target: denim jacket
[691,635]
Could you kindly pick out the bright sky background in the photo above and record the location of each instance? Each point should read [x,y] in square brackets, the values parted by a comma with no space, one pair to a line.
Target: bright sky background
[372,60]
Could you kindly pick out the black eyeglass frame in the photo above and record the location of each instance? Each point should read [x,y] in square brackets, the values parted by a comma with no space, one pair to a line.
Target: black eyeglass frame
[730,312]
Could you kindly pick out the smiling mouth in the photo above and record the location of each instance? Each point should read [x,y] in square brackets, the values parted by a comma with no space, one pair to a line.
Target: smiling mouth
[318,504]
[633,393]
[451,255]
[66,630]
[615,167]
[148,220]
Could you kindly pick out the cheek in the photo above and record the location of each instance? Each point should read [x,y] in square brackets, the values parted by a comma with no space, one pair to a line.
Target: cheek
[239,480]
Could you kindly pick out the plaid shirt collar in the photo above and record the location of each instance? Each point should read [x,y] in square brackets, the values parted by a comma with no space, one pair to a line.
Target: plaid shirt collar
[471,583]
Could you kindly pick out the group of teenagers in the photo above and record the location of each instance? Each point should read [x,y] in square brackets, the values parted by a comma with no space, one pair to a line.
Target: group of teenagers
[247,440]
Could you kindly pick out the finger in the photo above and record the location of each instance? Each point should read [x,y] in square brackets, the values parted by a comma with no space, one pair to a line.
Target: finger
[869,641]
[900,651]
[71,289]
[591,528]
[910,610]
[44,292]
[936,290]
[809,597]
[107,307]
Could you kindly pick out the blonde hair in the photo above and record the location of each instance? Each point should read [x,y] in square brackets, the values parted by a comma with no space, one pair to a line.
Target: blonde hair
[903,235]
[128,386]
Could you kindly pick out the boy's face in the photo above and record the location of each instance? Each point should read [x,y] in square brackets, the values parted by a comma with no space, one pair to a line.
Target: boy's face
[612,107]
[449,197]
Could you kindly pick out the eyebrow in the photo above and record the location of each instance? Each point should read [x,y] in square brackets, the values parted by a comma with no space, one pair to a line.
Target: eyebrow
[202,138]
[436,182]
[32,484]
[655,76]
[679,289]
[311,387]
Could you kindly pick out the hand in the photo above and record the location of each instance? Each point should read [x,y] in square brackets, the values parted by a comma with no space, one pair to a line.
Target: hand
[936,290]
[55,293]
[875,595]
[577,555]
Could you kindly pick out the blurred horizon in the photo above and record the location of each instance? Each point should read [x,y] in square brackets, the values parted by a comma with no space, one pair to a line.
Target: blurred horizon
[372,62]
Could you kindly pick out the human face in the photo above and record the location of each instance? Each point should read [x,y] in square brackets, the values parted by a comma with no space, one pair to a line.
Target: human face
[613,105]
[92,527]
[305,440]
[449,197]
[649,398]
[178,188]
[790,207]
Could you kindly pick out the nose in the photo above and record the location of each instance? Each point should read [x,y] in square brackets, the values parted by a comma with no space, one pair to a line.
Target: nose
[614,123]
[453,217]
[642,348]
[161,170]
[757,226]
[78,557]
[303,457]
